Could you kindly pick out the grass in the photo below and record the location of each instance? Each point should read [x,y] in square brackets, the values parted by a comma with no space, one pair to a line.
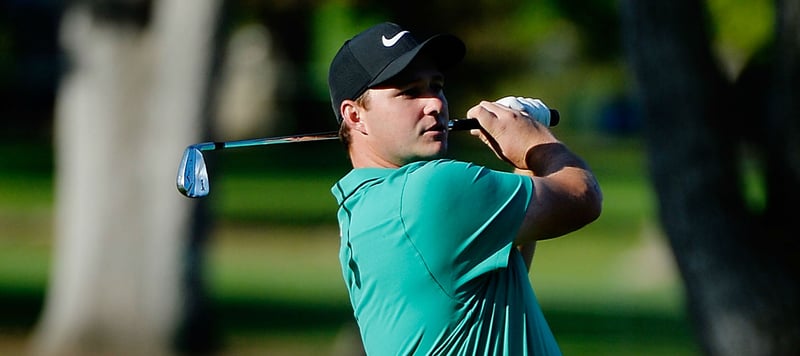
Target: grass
[274,278]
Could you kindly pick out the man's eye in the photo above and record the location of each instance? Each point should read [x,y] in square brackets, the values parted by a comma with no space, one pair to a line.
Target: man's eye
[417,91]
[413,92]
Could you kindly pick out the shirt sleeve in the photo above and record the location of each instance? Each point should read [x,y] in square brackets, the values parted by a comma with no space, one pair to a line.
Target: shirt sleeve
[463,218]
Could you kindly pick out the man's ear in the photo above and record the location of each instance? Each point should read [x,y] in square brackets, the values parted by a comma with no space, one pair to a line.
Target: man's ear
[352,115]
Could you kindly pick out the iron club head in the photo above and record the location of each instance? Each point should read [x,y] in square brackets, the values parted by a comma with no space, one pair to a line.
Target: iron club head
[192,177]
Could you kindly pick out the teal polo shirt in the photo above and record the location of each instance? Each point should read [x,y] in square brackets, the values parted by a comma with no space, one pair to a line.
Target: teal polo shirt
[427,256]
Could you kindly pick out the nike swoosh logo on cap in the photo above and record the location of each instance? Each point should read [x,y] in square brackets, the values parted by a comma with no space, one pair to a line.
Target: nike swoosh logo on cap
[389,42]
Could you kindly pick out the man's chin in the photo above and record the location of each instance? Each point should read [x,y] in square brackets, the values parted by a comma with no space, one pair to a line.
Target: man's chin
[435,154]
[439,153]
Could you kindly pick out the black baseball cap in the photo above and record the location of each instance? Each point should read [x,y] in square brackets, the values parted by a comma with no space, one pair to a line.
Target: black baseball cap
[381,52]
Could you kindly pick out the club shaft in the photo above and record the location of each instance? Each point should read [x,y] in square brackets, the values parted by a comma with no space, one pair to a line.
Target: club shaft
[452,125]
[462,124]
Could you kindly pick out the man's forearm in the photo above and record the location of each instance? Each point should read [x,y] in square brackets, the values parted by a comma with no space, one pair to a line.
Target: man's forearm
[566,194]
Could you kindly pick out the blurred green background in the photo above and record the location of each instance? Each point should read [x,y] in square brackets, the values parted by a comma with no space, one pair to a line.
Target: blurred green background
[610,288]
[272,269]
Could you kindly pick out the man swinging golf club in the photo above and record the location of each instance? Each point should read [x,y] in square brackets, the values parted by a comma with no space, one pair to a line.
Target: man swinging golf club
[435,252]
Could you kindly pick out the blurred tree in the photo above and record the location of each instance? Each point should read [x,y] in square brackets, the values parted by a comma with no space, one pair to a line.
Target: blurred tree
[289,25]
[29,65]
[738,257]
[126,260]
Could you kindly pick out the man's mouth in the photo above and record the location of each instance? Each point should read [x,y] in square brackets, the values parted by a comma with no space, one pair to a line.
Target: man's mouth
[438,128]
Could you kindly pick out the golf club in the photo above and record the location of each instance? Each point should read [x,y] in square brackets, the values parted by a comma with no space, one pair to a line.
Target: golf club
[192,179]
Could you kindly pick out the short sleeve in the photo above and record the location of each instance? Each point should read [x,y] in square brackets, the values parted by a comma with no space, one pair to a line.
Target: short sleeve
[463,218]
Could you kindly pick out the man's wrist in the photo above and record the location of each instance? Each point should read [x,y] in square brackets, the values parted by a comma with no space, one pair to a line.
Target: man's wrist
[547,158]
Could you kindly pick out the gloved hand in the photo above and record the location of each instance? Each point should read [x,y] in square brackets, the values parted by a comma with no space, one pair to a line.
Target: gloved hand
[534,108]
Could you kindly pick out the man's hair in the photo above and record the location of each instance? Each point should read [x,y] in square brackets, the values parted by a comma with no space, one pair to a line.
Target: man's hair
[344,130]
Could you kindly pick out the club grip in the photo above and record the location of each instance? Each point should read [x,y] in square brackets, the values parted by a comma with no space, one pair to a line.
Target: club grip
[470,124]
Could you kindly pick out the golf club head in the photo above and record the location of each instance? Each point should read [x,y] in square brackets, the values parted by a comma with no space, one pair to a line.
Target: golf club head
[192,177]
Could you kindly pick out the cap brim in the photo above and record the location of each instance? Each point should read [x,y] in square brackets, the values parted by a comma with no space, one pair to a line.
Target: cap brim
[446,51]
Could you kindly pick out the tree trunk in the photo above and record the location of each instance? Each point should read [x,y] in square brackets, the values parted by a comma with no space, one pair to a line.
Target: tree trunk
[129,103]
[736,260]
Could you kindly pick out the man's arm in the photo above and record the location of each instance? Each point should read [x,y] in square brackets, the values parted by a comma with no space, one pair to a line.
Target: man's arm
[566,195]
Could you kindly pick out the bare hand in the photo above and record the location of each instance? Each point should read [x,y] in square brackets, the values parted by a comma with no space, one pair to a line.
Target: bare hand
[509,133]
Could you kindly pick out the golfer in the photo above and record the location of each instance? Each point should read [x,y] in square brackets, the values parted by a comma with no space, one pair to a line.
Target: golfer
[435,252]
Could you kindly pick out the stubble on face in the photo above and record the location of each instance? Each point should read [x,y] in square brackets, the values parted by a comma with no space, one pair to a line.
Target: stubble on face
[402,120]
[400,133]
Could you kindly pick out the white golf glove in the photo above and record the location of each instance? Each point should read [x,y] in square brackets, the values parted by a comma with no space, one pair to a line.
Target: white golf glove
[534,108]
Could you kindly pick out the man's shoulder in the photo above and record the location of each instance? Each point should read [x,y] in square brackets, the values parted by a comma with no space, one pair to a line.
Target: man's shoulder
[442,175]
[446,175]
[440,167]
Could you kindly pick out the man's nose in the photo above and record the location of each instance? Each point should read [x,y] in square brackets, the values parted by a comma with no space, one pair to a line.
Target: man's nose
[435,105]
